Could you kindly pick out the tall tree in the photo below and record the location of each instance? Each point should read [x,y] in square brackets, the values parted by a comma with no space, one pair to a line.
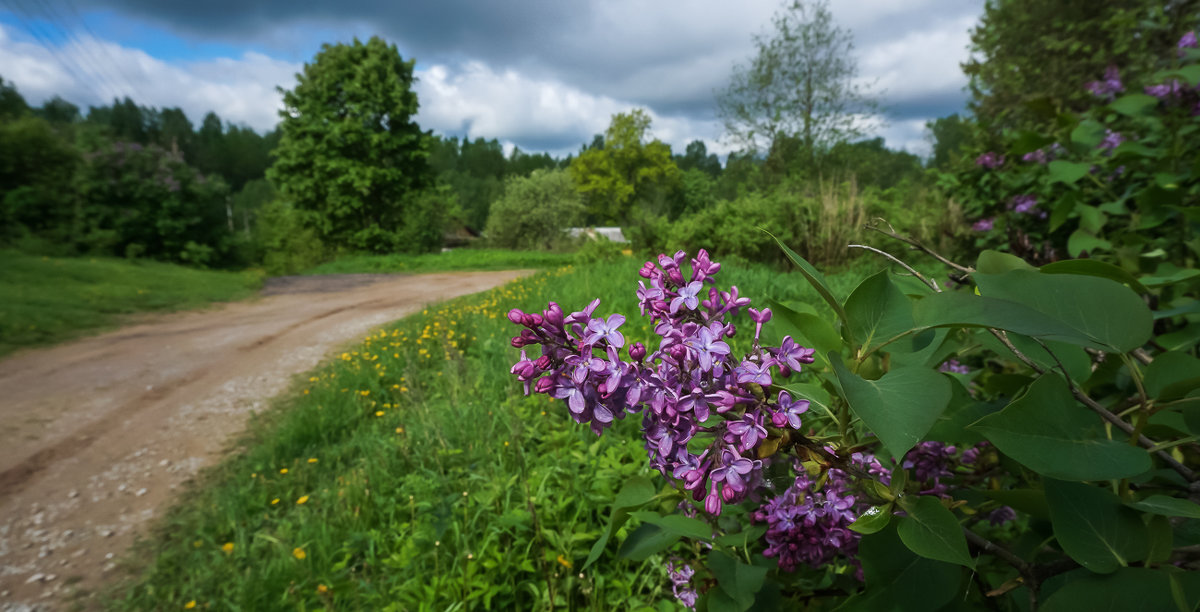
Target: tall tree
[625,170]
[350,152]
[800,84]
[12,104]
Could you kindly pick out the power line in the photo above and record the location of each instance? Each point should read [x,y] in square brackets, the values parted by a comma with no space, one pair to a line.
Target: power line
[82,55]
[103,48]
[73,68]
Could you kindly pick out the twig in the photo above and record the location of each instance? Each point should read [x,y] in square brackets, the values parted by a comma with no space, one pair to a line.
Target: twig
[1099,409]
[891,233]
[1006,555]
[932,285]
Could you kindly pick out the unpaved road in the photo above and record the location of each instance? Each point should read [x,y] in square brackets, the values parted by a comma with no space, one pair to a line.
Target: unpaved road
[97,435]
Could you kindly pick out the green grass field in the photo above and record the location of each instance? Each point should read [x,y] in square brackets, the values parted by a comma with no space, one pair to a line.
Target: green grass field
[457,259]
[44,300]
[412,473]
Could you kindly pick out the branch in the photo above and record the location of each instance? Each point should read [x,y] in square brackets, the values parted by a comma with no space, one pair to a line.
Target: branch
[1099,409]
[891,233]
[932,285]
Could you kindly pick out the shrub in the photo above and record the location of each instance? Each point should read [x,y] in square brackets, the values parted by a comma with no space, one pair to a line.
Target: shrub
[535,211]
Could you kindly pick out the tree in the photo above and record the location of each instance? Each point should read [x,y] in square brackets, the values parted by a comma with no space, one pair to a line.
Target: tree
[696,156]
[350,153]
[1031,58]
[623,169]
[12,104]
[948,135]
[800,84]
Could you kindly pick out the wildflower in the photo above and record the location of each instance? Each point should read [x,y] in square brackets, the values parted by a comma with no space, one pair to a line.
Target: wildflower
[565,562]
[303,499]
[984,225]
[1111,140]
[299,553]
[1001,515]
[283,470]
[189,605]
[990,160]
[1188,41]
[1024,204]
[275,501]
[227,547]
[312,459]
[322,589]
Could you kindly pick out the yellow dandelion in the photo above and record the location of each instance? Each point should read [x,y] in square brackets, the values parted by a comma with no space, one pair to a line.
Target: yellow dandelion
[189,605]
[506,442]
[364,393]
[399,430]
[303,499]
[298,553]
[565,562]
[198,543]
[283,470]
[322,589]
[275,501]
[312,459]
[378,413]
[227,547]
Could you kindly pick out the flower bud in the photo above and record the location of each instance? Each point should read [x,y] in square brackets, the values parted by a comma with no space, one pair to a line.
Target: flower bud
[518,342]
[728,494]
[779,419]
[554,315]
[516,316]
[542,363]
[637,352]
[712,503]
[543,385]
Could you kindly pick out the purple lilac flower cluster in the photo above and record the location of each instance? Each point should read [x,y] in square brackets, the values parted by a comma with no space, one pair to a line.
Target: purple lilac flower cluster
[681,582]
[1109,86]
[689,386]
[1175,92]
[1043,155]
[1026,205]
[990,160]
[934,463]
[809,524]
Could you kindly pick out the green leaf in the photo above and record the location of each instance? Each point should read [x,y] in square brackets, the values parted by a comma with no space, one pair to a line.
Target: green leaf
[1063,209]
[930,530]
[900,407]
[1162,539]
[959,309]
[1091,220]
[635,493]
[741,582]
[1167,506]
[1172,375]
[678,524]
[897,579]
[1134,105]
[742,538]
[873,519]
[1093,527]
[1048,432]
[806,329]
[1081,240]
[877,311]
[1088,133]
[995,262]
[815,278]
[1129,589]
[1067,172]
[1029,501]
[1108,313]
[1094,267]
[648,539]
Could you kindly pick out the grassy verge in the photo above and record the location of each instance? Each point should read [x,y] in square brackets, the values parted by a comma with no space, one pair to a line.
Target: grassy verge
[458,259]
[51,299]
[412,473]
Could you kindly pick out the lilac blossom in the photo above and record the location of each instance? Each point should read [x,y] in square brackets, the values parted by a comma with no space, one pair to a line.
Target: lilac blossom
[1109,86]
[687,297]
[990,160]
[953,366]
[1111,141]
[681,579]
[789,411]
[600,328]
[1166,91]
[1187,41]
[984,225]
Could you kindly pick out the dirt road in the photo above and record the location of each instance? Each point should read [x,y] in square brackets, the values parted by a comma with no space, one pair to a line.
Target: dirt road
[96,435]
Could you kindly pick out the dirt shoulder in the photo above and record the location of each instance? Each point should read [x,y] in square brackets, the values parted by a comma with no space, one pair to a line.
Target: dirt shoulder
[98,434]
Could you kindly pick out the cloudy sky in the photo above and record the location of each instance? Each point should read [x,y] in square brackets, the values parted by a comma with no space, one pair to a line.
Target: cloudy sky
[544,75]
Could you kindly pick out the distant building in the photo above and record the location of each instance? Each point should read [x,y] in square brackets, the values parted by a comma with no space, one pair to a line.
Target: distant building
[613,234]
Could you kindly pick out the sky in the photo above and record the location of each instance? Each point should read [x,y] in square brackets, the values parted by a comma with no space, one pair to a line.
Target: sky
[542,75]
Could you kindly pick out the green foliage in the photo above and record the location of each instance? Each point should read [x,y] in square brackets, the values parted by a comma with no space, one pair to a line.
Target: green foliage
[598,250]
[1030,58]
[36,162]
[626,173]
[288,244]
[535,212]
[456,259]
[52,299]
[358,163]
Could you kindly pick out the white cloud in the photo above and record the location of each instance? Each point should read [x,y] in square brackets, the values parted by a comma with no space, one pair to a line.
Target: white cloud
[90,72]
[922,63]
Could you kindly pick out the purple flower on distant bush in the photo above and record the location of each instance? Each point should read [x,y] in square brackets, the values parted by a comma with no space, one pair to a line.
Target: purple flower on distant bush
[1166,91]
[1111,140]
[953,366]
[1001,515]
[990,160]
[984,225]
[681,578]
[1109,86]
[1188,41]
[1023,204]
[1043,155]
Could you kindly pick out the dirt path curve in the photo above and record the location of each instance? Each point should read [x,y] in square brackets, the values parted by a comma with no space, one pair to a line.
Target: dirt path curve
[96,435]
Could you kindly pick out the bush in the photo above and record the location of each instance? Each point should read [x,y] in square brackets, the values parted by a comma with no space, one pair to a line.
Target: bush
[288,245]
[535,211]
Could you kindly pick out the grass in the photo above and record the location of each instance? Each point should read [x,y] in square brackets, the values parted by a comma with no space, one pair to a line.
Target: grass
[52,299]
[411,472]
[458,259]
